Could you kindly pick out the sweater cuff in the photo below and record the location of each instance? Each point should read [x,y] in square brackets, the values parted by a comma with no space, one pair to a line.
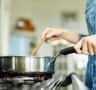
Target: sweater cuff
[81,36]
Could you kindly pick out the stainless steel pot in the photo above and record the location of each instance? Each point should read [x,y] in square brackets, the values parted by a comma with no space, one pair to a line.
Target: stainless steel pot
[29,64]
[24,64]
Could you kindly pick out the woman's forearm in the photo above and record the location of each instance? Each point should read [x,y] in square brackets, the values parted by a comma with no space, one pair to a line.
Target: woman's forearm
[71,36]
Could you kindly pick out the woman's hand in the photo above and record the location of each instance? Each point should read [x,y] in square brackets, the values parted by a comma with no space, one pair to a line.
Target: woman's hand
[52,34]
[88,45]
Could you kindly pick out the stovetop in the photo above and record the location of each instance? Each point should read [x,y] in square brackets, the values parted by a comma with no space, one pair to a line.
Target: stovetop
[9,87]
[4,74]
[29,83]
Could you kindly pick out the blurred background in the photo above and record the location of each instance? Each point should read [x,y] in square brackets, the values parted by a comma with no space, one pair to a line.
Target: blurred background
[23,21]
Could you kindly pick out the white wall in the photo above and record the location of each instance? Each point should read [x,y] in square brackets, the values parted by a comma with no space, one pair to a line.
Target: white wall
[0,27]
[4,38]
[46,13]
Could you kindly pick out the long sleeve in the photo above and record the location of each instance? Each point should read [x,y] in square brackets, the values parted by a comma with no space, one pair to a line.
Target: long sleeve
[81,36]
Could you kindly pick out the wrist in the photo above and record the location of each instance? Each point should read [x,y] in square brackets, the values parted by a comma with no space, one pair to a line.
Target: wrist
[64,33]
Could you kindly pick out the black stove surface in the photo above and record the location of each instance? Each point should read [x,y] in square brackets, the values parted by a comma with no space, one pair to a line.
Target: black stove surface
[22,81]
[10,87]
[29,83]
[29,74]
[18,83]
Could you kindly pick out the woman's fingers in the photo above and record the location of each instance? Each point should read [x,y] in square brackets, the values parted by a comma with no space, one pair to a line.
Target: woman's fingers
[94,47]
[90,47]
[78,46]
[51,34]
[53,39]
[85,46]
[45,32]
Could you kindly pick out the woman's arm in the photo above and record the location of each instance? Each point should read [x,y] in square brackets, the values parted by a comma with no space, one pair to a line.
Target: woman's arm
[52,34]
[87,43]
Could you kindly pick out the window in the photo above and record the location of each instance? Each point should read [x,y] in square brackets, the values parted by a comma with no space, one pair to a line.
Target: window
[69,19]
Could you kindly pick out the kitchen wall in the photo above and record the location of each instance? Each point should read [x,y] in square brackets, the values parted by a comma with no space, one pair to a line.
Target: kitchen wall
[0,26]
[4,29]
[47,13]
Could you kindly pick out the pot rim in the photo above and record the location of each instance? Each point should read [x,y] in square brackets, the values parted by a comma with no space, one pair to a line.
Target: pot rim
[28,56]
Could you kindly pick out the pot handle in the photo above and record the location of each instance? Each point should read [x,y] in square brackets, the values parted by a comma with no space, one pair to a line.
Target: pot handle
[65,51]
[68,50]
[51,64]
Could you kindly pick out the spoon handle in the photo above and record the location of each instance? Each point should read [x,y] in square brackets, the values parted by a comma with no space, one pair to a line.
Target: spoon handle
[38,46]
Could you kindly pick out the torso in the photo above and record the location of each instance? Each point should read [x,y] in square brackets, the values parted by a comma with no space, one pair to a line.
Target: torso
[91,24]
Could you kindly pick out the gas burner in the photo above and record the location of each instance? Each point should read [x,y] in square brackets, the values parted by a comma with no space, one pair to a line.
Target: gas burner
[1,80]
[19,83]
[3,85]
[10,87]
[15,81]
[45,76]
[29,83]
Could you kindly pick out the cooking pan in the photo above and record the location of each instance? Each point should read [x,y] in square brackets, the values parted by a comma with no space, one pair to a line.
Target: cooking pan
[30,64]
[26,64]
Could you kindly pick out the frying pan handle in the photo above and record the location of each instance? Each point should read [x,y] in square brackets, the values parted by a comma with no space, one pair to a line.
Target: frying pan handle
[68,50]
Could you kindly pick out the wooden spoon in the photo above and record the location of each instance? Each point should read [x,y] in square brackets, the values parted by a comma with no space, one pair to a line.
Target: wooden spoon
[38,46]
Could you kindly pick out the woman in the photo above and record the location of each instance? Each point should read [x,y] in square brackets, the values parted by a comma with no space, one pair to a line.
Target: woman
[86,42]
